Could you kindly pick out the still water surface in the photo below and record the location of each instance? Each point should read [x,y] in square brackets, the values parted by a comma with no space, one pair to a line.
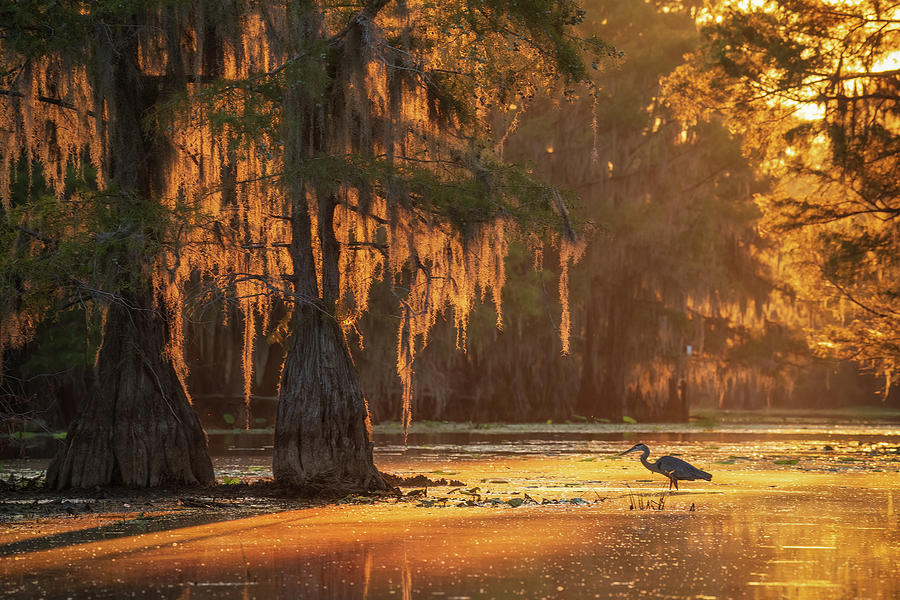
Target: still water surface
[823,527]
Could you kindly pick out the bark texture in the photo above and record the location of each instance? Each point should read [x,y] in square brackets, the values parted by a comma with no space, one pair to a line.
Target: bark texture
[322,435]
[322,430]
[137,428]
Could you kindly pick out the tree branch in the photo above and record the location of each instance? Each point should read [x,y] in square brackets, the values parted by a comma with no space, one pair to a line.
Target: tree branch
[853,299]
[36,235]
[49,100]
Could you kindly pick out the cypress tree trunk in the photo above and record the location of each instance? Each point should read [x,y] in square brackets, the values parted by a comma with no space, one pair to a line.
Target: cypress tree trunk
[138,428]
[322,430]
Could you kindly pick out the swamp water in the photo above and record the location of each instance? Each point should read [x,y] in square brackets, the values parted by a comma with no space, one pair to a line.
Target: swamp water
[799,512]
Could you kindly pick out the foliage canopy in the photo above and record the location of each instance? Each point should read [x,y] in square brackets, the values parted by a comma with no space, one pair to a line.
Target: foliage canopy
[813,87]
[357,133]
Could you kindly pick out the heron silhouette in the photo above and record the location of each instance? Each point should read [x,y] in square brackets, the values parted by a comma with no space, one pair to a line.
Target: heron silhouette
[673,468]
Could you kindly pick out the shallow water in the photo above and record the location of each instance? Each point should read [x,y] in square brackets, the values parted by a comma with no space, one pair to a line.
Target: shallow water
[822,527]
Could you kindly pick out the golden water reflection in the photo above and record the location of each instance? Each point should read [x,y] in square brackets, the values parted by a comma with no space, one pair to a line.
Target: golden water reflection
[783,518]
[824,540]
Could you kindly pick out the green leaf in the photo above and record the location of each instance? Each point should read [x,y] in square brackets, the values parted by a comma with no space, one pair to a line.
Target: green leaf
[786,461]
[228,418]
[628,419]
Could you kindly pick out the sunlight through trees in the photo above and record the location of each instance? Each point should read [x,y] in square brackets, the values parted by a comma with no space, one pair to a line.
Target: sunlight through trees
[543,209]
[277,152]
[812,88]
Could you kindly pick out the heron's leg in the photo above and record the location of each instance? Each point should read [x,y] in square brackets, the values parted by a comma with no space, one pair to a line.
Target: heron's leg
[675,481]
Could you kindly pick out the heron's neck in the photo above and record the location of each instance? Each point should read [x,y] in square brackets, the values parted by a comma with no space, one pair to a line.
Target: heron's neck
[646,462]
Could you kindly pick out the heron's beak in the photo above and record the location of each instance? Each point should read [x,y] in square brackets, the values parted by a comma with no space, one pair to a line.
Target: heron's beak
[634,448]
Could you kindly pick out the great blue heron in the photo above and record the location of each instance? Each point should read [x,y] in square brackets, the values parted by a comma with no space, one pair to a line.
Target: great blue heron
[671,467]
